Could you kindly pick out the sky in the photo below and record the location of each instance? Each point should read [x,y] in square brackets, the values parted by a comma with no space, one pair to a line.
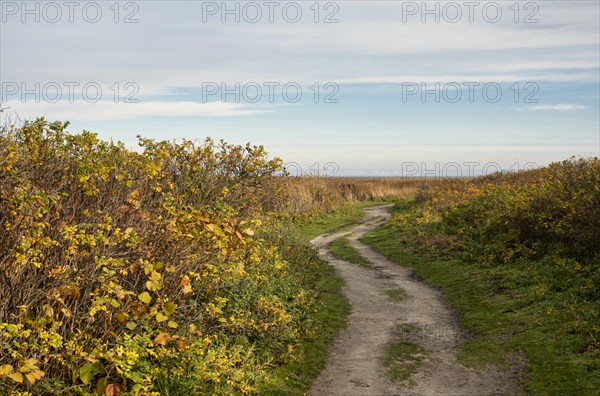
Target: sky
[345,88]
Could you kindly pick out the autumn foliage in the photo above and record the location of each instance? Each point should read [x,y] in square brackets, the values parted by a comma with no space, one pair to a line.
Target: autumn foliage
[506,217]
[544,222]
[142,272]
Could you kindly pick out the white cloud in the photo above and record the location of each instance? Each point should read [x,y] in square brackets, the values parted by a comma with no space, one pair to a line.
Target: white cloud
[369,44]
[463,78]
[84,111]
[554,107]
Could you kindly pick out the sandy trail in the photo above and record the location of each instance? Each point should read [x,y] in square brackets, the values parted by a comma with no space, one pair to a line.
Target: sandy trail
[355,364]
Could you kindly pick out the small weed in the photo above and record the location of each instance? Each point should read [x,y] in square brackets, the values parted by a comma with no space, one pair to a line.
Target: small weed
[403,359]
[396,295]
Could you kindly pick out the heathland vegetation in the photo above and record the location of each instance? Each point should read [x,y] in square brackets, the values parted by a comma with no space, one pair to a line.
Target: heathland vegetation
[184,268]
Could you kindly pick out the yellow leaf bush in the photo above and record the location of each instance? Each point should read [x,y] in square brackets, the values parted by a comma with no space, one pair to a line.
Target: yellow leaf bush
[141,272]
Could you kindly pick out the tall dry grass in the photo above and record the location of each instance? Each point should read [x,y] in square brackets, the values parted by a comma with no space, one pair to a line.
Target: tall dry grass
[311,195]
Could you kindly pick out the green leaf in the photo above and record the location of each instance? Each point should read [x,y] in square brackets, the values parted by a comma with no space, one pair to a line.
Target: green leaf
[169,308]
[101,386]
[145,297]
[87,372]
[154,285]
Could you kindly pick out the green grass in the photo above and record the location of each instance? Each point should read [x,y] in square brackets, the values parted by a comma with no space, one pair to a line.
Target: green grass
[402,359]
[507,309]
[297,377]
[346,216]
[341,219]
[342,249]
[395,295]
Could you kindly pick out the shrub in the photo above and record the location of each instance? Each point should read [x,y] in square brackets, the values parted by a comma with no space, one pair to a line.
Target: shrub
[140,272]
[530,214]
[544,221]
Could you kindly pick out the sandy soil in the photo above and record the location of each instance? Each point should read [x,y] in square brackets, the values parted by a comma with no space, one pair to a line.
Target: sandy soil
[355,364]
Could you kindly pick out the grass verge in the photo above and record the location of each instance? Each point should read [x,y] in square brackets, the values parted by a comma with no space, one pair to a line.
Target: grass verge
[342,249]
[344,217]
[506,309]
[296,377]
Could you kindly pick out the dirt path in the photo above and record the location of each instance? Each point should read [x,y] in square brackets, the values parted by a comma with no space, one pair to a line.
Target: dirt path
[355,365]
